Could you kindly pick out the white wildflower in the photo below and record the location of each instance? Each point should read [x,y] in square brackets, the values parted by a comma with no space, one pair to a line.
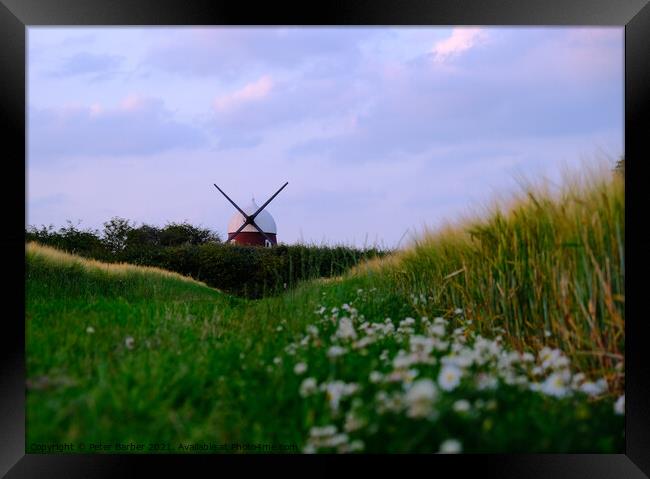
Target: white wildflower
[355,446]
[90,330]
[552,358]
[325,431]
[462,405]
[619,405]
[451,446]
[129,342]
[375,377]
[403,360]
[421,345]
[277,360]
[577,380]
[363,342]
[436,330]
[594,389]
[300,368]
[441,345]
[308,387]
[420,397]
[384,355]
[291,348]
[463,359]
[353,422]
[346,329]
[335,351]
[405,376]
[336,441]
[407,322]
[337,390]
[555,385]
[527,357]
[449,377]
[309,449]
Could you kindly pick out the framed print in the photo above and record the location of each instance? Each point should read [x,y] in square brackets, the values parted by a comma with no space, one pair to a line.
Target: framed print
[360,229]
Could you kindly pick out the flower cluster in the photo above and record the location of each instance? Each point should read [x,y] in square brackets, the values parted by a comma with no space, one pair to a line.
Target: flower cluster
[418,369]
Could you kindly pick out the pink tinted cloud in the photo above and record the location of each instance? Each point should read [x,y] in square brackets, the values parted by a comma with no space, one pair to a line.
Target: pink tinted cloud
[135,126]
[460,40]
[251,92]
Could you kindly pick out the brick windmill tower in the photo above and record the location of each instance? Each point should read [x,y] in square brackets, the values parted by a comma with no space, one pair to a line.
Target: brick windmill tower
[252,225]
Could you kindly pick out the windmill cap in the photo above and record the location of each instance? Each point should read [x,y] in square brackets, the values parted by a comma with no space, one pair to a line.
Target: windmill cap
[264,220]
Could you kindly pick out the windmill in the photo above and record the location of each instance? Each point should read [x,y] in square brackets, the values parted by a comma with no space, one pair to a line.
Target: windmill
[252,225]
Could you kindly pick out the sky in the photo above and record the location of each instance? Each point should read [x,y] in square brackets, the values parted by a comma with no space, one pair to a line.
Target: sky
[379,131]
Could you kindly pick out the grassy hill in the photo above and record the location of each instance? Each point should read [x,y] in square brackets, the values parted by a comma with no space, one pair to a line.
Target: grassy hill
[500,333]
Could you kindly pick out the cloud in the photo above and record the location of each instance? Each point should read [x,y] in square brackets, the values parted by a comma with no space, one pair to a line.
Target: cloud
[249,93]
[219,51]
[461,39]
[85,63]
[541,90]
[138,125]
[265,107]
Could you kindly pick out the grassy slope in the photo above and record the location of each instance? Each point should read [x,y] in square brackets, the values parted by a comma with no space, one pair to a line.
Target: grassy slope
[208,367]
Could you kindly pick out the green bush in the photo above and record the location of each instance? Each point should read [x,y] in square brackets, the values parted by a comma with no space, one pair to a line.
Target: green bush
[249,271]
[71,239]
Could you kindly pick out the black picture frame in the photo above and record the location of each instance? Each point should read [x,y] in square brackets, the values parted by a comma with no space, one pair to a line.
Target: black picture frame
[17,15]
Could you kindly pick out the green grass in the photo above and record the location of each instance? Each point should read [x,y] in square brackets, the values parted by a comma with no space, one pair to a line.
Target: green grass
[547,261]
[204,366]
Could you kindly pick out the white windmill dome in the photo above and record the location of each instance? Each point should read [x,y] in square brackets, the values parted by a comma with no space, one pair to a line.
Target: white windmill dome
[264,220]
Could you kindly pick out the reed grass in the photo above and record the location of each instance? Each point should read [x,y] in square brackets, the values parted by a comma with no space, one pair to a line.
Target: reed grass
[547,265]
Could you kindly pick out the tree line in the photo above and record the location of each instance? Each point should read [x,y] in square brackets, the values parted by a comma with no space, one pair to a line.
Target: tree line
[249,271]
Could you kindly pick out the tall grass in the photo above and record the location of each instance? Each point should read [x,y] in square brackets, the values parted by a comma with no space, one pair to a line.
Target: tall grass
[547,266]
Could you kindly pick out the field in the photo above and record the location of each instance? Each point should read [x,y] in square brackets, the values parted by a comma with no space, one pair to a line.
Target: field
[501,333]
